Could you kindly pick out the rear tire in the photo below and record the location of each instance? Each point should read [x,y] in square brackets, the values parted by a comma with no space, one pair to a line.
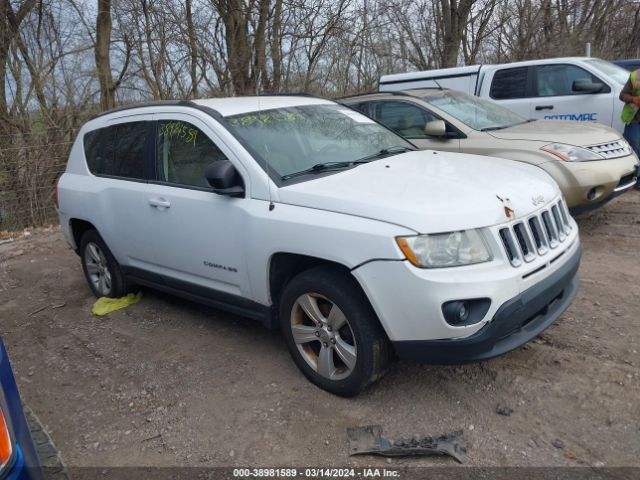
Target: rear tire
[52,466]
[332,332]
[101,269]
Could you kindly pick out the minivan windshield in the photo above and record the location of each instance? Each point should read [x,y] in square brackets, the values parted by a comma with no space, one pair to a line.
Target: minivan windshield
[474,112]
[611,70]
[309,139]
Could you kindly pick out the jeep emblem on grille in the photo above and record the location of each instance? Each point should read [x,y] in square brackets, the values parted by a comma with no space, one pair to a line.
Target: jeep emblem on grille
[539,200]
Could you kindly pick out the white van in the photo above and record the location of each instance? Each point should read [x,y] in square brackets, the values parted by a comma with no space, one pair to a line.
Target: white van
[577,88]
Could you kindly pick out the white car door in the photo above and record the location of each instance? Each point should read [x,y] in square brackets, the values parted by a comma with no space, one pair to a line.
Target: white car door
[557,95]
[197,235]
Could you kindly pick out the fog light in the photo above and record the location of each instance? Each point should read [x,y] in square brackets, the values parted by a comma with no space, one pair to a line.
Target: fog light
[591,194]
[465,312]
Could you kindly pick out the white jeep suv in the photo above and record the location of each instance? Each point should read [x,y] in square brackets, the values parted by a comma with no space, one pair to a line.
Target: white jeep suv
[306,215]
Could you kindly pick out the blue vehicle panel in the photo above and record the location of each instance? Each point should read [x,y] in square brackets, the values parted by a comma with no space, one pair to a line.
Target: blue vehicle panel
[24,464]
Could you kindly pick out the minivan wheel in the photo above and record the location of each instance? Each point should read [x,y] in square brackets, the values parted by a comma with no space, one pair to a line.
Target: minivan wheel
[100,268]
[332,332]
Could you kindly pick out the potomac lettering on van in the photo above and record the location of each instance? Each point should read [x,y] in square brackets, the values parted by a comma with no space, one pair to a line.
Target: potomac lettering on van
[580,117]
[220,267]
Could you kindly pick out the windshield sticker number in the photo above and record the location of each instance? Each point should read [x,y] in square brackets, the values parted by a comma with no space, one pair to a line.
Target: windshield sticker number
[180,130]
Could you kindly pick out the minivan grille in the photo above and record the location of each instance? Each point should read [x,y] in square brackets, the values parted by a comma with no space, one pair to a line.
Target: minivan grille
[528,239]
[615,149]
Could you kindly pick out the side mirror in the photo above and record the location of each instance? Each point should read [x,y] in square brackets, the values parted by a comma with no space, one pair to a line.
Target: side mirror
[224,178]
[584,85]
[436,128]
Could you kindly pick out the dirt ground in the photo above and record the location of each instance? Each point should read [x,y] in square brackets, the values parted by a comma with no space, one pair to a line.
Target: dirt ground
[167,382]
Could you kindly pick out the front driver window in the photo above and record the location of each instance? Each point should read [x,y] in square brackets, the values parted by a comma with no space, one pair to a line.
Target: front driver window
[183,153]
[403,118]
[557,80]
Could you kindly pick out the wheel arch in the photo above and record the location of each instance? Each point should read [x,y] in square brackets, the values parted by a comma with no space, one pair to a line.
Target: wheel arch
[283,266]
[78,228]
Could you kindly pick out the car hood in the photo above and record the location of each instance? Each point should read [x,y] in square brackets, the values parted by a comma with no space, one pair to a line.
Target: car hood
[429,191]
[559,131]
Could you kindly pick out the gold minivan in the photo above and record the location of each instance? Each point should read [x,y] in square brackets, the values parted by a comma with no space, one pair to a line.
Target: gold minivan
[590,162]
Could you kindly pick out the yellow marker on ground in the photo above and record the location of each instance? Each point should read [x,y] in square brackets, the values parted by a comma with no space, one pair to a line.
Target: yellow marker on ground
[105,305]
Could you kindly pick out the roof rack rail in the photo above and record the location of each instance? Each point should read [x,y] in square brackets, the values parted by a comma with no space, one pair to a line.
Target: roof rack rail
[396,92]
[151,103]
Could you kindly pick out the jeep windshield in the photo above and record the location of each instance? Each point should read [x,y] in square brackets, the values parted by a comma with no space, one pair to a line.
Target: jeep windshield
[308,140]
[474,112]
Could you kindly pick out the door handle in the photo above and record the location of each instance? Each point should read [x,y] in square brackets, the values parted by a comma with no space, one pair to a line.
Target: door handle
[544,107]
[159,202]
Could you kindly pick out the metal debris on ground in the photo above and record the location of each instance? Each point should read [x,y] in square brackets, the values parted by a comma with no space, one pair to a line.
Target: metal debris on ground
[369,439]
[504,410]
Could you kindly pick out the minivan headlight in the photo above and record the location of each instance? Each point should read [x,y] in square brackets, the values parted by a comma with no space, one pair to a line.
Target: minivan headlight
[449,249]
[571,153]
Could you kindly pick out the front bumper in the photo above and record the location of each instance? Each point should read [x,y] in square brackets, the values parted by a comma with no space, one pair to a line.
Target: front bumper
[625,184]
[589,185]
[515,323]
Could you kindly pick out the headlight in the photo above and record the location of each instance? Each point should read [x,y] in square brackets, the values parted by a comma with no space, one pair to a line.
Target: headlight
[571,153]
[445,249]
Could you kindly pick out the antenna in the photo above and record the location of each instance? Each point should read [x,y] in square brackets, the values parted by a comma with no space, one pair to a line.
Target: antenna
[266,162]
[438,84]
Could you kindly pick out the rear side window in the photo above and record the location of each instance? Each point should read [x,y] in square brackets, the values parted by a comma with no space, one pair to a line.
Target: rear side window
[124,150]
[509,83]
[361,107]
[117,151]
[183,153]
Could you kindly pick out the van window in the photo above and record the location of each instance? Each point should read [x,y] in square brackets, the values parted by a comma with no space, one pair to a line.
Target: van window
[403,118]
[183,153]
[117,150]
[509,83]
[556,80]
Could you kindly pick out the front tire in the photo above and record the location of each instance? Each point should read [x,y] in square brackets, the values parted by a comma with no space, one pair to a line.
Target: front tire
[332,332]
[100,268]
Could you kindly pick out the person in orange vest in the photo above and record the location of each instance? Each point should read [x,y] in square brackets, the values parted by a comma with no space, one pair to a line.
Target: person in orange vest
[630,95]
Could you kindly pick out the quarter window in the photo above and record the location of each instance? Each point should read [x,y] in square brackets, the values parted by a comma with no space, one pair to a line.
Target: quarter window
[92,149]
[183,153]
[509,83]
[403,118]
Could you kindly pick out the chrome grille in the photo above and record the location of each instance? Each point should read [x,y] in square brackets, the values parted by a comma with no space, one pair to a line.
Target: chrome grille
[616,149]
[528,239]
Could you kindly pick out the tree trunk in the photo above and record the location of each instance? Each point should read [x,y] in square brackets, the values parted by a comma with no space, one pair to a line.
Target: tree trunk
[192,49]
[103,62]
[9,30]
[276,46]
[454,19]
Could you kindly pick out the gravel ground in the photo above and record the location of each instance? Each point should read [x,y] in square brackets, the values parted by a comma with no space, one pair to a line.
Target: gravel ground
[167,382]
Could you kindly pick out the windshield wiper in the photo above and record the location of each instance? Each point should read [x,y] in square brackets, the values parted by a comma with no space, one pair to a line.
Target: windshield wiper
[328,166]
[488,129]
[319,167]
[385,152]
